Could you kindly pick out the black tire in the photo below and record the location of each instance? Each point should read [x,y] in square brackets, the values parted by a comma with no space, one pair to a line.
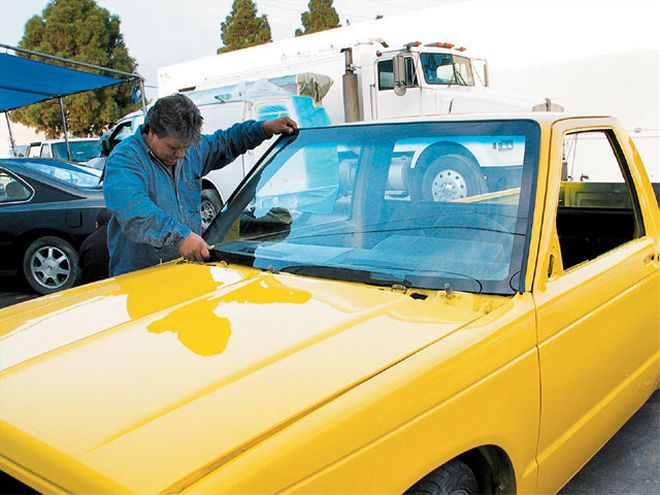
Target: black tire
[211,205]
[451,177]
[50,264]
[454,478]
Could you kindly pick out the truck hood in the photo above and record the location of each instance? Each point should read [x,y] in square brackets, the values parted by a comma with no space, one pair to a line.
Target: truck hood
[156,378]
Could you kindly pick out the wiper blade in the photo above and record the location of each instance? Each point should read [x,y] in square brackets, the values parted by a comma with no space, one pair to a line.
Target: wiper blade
[348,274]
[217,254]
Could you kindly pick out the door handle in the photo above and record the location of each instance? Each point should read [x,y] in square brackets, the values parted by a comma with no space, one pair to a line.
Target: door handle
[650,259]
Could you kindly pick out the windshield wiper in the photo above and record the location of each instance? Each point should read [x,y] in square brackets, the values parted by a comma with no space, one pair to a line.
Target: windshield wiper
[347,274]
[217,254]
[431,282]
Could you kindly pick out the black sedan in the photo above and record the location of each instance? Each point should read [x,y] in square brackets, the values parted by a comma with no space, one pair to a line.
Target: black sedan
[47,208]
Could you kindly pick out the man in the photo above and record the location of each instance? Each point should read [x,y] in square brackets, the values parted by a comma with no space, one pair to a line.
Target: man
[94,250]
[153,182]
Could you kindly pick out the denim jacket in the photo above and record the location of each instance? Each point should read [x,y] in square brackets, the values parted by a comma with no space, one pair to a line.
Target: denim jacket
[153,212]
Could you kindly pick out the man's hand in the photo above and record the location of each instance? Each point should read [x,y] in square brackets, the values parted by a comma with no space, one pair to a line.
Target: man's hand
[194,248]
[285,125]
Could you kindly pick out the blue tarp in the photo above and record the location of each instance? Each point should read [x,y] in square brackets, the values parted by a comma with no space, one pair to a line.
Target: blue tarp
[24,81]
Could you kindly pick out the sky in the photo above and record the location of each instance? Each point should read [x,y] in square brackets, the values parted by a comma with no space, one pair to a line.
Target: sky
[165,32]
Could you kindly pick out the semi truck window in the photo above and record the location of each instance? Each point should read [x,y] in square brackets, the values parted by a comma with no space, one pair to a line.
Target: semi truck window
[385,75]
[444,68]
[411,74]
[598,208]
[463,71]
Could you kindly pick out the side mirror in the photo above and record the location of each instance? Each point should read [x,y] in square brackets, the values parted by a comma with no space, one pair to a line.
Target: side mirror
[399,69]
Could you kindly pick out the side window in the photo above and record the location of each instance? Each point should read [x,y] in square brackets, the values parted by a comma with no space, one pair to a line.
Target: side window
[411,74]
[11,189]
[598,208]
[45,151]
[385,75]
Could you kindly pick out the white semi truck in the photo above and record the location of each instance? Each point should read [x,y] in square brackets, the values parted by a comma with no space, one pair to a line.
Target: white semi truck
[366,80]
[372,81]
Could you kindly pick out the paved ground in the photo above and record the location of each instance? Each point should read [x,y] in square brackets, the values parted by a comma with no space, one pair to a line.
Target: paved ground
[629,464]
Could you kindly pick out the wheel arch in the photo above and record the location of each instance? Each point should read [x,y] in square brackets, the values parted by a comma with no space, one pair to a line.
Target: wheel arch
[208,183]
[30,236]
[491,466]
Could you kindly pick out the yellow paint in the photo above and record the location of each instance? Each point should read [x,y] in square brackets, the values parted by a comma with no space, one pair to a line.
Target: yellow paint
[191,378]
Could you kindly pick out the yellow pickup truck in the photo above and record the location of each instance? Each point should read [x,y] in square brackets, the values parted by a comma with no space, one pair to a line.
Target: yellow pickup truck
[350,335]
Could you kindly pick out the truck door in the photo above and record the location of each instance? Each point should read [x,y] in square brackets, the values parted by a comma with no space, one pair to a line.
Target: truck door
[598,342]
[387,104]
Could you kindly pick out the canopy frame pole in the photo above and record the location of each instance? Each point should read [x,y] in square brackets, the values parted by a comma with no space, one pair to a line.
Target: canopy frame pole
[143,97]
[11,136]
[66,130]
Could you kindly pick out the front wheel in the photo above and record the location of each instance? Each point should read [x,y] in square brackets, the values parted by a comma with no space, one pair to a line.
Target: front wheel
[454,478]
[211,205]
[50,264]
[452,177]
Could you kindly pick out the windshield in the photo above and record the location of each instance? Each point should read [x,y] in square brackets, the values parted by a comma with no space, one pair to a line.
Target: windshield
[421,205]
[81,151]
[70,174]
[445,68]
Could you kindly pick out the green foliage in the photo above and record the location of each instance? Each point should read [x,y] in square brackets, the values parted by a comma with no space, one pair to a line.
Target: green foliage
[82,31]
[320,16]
[242,28]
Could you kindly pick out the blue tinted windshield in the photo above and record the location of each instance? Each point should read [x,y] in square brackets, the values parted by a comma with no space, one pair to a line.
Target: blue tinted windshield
[422,204]
[81,151]
[71,174]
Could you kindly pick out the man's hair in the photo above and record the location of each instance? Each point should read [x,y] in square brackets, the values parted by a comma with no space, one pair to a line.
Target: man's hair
[175,116]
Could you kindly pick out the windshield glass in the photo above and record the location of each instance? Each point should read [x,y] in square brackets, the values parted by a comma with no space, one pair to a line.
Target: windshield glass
[420,204]
[81,151]
[70,174]
[445,68]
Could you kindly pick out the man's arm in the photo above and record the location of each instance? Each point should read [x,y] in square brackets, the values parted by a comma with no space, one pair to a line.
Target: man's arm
[127,197]
[224,146]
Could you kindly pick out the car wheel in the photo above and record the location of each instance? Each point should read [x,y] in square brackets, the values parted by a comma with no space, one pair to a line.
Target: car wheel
[452,177]
[50,264]
[211,205]
[454,478]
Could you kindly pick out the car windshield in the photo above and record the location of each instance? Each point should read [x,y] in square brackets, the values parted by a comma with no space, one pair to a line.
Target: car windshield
[445,68]
[70,174]
[429,205]
[81,151]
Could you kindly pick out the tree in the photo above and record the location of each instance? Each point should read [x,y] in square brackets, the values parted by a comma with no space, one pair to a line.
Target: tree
[320,16]
[242,28]
[82,31]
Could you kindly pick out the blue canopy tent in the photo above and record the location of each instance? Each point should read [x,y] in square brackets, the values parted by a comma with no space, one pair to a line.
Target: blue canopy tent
[24,81]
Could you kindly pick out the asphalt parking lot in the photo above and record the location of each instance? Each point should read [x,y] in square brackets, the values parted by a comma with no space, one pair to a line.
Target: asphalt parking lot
[629,464]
